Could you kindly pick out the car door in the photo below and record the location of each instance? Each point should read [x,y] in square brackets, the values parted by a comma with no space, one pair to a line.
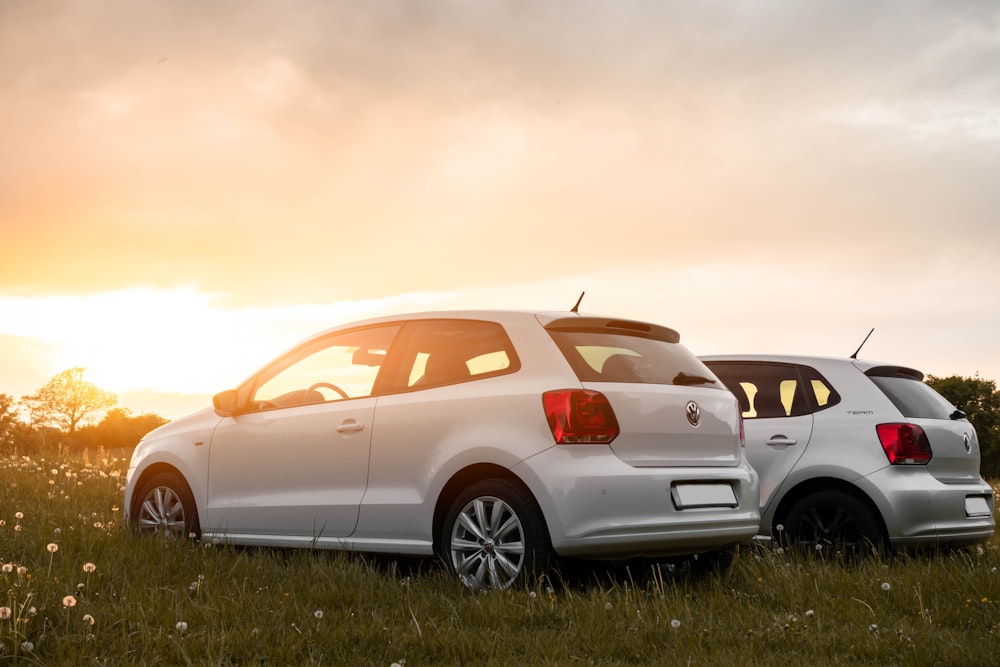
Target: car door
[293,465]
[777,417]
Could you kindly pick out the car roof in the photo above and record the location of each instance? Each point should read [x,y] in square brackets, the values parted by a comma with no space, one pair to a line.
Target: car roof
[863,365]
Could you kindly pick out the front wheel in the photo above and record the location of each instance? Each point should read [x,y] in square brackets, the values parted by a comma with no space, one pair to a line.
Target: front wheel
[494,536]
[832,520]
[165,505]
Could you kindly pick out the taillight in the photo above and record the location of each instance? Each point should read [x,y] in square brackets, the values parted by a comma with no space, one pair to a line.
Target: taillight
[904,444]
[579,416]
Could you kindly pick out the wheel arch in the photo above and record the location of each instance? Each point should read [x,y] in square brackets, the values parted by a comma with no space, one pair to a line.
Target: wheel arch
[461,480]
[817,485]
[147,474]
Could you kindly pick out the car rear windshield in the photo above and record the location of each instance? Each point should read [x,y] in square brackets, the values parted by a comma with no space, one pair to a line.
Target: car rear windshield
[912,397]
[603,356]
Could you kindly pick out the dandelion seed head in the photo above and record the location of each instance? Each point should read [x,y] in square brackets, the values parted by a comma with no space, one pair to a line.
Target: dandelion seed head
[69,601]
[607,606]
[886,586]
[819,547]
[7,568]
[780,528]
[27,647]
[531,594]
[17,528]
[181,626]
[675,624]
[52,547]
[18,515]
[88,619]
[318,613]
[5,613]
[810,613]
[89,567]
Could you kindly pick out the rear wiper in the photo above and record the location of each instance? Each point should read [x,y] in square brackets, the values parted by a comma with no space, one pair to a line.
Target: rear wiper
[686,380]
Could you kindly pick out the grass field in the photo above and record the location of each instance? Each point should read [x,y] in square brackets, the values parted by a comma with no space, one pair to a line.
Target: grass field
[78,589]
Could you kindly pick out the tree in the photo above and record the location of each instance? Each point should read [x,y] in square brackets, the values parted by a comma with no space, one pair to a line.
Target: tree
[8,420]
[980,401]
[67,401]
[119,429]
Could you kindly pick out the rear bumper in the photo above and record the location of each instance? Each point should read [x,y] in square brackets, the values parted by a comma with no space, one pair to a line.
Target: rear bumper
[921,511]
[597,506]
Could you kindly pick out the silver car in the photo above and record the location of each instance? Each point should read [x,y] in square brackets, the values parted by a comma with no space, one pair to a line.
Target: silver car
[853,452]
[495,439]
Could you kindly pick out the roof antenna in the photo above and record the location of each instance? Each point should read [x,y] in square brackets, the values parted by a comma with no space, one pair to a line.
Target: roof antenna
[855,355]
[576,307]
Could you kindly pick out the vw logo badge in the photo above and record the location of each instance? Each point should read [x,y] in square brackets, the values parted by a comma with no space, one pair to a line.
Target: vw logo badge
[968,443]
[693,413]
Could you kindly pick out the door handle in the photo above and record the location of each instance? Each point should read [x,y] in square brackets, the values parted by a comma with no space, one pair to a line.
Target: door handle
[780,440]
[350,427]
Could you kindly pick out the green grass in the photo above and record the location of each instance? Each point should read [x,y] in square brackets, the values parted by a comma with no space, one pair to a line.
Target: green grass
[156,602]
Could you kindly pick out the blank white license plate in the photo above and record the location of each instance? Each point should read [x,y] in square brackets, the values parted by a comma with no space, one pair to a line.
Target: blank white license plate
[689,495]
[977,506]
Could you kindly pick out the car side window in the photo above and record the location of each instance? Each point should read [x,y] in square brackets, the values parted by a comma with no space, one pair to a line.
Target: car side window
[336,368]
[768,390]
[436,353]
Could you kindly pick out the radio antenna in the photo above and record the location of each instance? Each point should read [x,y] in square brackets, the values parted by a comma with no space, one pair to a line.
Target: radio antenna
[855,355]
[576,306]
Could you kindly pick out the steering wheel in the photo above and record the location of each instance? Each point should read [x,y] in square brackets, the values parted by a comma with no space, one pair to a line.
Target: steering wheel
[328,385]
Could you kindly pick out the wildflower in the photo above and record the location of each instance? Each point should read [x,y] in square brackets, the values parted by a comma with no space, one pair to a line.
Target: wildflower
[181,626]
[69,601]
[318,613]
[52,547]
[89,567]
[4,613]
[675,624]
[88,619]
[886,586]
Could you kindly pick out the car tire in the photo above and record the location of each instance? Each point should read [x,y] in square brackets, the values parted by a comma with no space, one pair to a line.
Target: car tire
[832,520]
[166,505]
[494,536]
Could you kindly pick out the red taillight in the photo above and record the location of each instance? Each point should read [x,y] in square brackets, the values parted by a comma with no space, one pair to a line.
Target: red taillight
[579,416]
[904,444]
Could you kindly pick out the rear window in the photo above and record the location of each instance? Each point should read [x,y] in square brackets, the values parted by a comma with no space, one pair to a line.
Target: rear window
[913,398]
[601,356]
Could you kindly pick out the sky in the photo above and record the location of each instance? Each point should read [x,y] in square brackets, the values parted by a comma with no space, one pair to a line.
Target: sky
[187,189]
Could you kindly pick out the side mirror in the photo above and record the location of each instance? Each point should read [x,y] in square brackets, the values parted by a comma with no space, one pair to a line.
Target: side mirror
[226,403]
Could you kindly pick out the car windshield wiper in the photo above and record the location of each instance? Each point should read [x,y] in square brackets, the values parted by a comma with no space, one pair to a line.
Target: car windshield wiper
[685,379]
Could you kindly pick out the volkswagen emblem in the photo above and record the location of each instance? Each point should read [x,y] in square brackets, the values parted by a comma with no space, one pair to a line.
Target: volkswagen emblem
[968,443]
[693,413]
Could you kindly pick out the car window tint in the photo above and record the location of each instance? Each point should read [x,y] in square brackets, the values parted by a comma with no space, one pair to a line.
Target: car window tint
[768,390]
[913,398]
[599,356]
[332,369]
[442,352]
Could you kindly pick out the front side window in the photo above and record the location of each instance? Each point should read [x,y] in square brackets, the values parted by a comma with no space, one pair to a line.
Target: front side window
[767,390]
[339,367]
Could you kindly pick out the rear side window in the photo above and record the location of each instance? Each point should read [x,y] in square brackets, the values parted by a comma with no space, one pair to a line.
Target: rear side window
[603,356]
[912,397]
[767,390]
[434,353]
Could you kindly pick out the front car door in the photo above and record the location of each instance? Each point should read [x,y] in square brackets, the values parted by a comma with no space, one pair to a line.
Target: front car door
[292,467]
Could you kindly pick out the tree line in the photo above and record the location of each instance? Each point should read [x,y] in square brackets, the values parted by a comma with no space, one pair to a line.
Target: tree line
[70,411]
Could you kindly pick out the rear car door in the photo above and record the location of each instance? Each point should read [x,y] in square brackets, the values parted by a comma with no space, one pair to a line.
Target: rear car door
[777,400]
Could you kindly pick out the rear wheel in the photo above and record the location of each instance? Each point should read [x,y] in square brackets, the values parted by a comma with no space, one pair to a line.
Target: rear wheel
[166,506]
[494,536]
[832,520]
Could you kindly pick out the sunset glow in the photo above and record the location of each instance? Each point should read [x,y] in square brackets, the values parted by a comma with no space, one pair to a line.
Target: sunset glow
[184,194]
